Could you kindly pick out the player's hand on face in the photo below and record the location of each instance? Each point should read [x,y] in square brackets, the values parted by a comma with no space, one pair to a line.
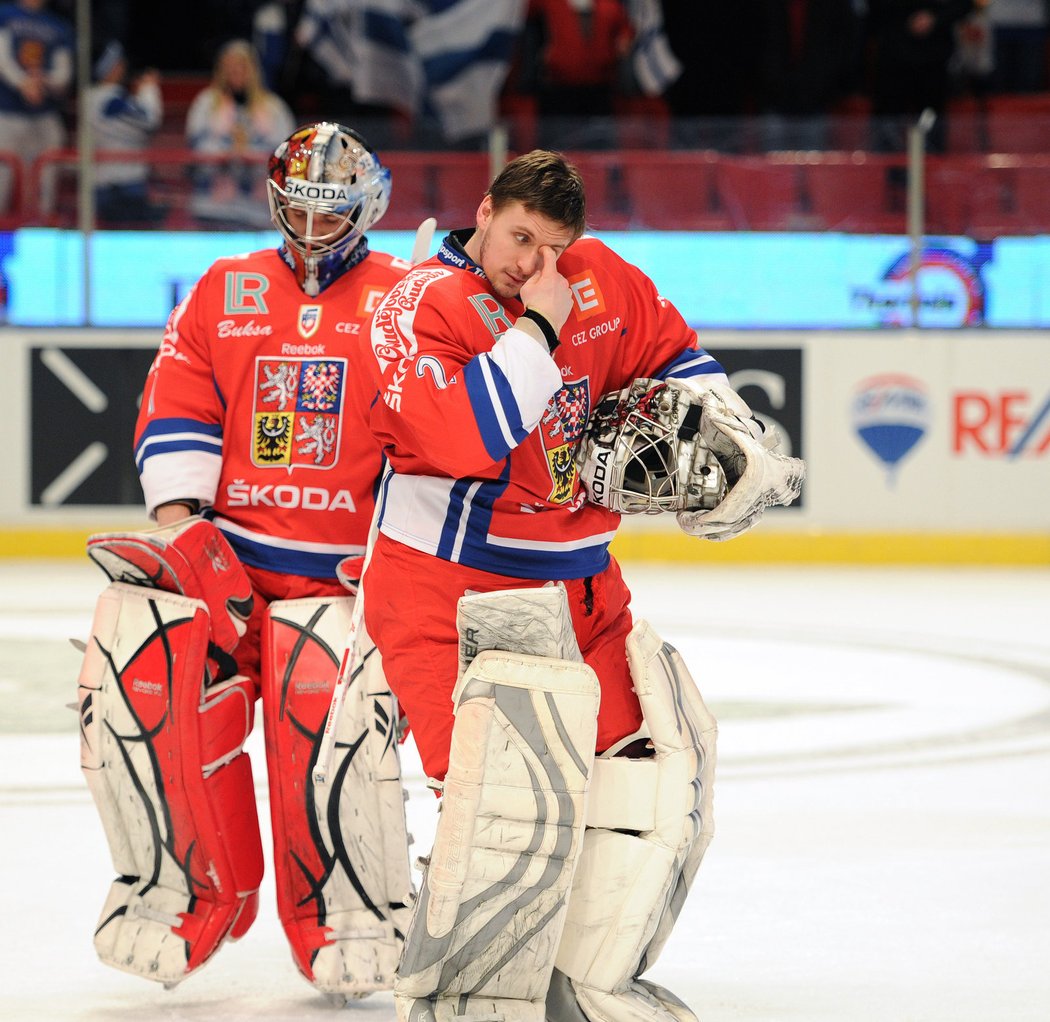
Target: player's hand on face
[547,291]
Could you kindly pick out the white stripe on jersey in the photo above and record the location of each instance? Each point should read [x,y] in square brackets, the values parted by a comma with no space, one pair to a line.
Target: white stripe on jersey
[532,373]
[461,530]
[170,438]
[601,539]
[284,543]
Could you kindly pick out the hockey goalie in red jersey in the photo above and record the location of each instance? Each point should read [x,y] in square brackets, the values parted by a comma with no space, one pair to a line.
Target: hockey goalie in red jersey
[537,703]
[257,464]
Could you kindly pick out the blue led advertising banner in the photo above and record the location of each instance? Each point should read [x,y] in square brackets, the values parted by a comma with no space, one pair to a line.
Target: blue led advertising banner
[744,281]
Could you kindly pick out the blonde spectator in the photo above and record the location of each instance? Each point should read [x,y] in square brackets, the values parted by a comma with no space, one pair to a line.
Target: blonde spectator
[236,115]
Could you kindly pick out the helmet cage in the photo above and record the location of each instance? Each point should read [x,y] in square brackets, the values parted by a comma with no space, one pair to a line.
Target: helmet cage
[642,452]
[326,170]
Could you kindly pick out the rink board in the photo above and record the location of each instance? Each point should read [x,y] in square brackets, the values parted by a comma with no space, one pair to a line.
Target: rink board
[922,446]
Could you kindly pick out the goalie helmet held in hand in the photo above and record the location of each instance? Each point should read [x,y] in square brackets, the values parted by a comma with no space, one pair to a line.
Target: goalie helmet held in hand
[641,452]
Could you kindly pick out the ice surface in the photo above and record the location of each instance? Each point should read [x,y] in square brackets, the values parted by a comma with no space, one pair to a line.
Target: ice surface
[882,806]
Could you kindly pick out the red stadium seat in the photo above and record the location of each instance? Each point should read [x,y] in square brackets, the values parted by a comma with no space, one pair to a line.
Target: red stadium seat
[447,186]
[970,195]
[1018,123]
[1032,196]
[759,193]
[460,181]
[856,193]
[672,191]
[601,177]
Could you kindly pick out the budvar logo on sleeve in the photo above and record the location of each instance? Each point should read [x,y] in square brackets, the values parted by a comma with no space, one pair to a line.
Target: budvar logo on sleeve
[587,295]
[393,333]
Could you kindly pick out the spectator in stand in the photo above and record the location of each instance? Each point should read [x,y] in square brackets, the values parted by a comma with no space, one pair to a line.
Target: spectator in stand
[717,47]
[913,42]
[574,50]
[36,72]
[124,115]
[1019,42]
[238,117]
[808,50]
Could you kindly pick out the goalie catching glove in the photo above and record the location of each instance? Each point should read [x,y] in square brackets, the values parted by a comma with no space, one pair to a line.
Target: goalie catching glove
[666,446]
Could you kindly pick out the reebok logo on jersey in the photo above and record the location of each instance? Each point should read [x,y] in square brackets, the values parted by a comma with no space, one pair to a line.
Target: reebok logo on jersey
[586,295]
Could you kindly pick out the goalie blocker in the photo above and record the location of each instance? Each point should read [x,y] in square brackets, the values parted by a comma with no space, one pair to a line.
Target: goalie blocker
[555,878]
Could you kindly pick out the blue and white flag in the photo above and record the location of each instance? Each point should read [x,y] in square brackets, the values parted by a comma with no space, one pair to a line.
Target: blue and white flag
[653,61]
[465,48]
[444,58]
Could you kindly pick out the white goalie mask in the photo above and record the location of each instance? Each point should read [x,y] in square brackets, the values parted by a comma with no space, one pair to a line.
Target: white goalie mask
[641,452]
[329,173]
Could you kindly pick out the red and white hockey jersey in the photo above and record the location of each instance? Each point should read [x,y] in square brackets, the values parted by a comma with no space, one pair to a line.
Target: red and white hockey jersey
[481,425]
[256,405]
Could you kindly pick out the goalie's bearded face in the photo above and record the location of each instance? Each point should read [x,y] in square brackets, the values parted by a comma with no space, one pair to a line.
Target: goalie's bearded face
[507,242]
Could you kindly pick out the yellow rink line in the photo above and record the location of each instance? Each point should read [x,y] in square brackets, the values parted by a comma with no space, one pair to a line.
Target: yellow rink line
[664,546]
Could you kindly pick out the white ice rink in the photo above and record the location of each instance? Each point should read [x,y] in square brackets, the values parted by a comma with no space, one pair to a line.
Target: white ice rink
[882,807]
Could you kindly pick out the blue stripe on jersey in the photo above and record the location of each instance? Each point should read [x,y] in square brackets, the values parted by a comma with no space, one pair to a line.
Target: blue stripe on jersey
[178,446]
[207,433]
[469,512]
[495,407]
[537,564]
[284,560]
[691,362]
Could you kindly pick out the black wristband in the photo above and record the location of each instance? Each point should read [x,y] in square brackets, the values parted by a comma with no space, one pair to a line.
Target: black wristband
[549,333]
[191,505]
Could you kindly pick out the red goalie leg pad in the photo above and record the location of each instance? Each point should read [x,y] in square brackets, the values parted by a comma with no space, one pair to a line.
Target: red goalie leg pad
[163,750]
[300,661]
[190,557]
[225,860]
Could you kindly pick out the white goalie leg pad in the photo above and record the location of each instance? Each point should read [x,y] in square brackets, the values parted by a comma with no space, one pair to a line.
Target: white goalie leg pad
[341,863]
[488,920]
[630,887]
[162,753]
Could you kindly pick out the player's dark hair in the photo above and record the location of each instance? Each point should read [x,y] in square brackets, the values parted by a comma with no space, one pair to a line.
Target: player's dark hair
[543,182]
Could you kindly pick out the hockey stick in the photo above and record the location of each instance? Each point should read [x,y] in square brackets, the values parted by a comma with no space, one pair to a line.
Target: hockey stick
[420,251]
[424,236]
[349,665]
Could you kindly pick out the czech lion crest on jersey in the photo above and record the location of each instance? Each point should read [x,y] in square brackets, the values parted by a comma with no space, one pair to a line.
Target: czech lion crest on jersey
[561,427]
[297,412]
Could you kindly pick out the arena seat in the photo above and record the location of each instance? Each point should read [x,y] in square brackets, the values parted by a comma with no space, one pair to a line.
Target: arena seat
[672,191]
[1032,195]
[1018,123]
[970,195]
[447,186]
[855,192]
[759,193]
[602,178]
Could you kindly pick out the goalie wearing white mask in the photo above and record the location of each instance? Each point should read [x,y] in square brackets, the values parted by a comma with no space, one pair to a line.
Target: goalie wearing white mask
[574,752]
[326,188]
[258,467]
